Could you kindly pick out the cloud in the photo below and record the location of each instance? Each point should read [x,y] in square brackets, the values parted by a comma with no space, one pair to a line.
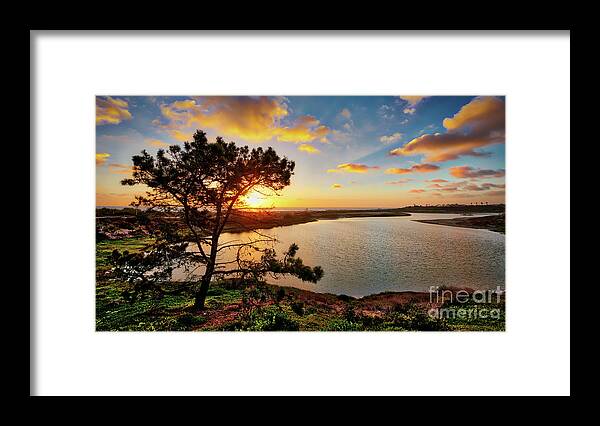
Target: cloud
[120,169]
[346,113]
[157,143]
[386,112]
[400,181]
[464,172]
[101,158]
[467,187]
[473,187]
[352,168]
[336,186]
[412,100]
[493,185]
[114,198]
[308,148]
[437,180]
[417,168]
[478,124]
[427,128]
[179,135]
[391,138]
[111,110]
[306,129]
[254,119]
[417,191]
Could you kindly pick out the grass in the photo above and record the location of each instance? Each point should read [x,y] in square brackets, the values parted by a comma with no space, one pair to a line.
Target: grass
[261,307]
[106,247]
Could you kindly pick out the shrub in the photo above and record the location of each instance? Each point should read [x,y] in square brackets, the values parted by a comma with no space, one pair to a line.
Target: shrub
[298,308]
[187,320]
[344,325]
[270,318]
[280,294]
[411,317]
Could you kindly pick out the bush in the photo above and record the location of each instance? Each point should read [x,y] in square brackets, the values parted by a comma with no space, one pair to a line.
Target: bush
[270,318]
[344,325]
[409,317]
[280,294]
[298,308]
[232,283]
[187,320]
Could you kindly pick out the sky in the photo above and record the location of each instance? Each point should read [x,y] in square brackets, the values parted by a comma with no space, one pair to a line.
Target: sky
[367,151]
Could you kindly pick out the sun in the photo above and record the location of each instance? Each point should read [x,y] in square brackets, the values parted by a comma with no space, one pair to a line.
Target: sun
[254,200]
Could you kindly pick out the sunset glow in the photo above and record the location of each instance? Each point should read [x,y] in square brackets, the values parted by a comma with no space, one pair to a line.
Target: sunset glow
[256,200]
[349,151]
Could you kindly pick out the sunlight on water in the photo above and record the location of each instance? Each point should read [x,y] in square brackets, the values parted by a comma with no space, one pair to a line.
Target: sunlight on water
[362,256]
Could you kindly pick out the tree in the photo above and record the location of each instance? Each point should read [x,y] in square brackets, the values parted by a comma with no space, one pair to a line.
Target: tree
[197,190]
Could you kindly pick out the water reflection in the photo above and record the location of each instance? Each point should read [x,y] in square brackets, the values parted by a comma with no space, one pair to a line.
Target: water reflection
[364,256]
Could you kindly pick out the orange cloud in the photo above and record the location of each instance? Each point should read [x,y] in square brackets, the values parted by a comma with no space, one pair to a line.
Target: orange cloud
[470,172]
[336,186]
[400,181]
[352,168]
[437,180]
[157,143]
[466,187]
[417,191]
[120,169]
[478,124]
[305,129]
[412,100]
[417,168]
[308,149]
[254,119]
[111,110]
[101,158]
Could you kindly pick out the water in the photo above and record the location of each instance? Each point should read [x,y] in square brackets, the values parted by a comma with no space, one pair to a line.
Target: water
[362,256]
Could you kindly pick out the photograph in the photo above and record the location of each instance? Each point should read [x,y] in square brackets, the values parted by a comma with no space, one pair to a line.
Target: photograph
[300,213]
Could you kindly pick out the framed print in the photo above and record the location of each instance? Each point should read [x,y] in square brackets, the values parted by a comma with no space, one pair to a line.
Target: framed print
[291,213]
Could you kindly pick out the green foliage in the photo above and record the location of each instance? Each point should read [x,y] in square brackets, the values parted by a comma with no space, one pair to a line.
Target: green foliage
[340,324]
[472,320]
[269,318]
[104,250]
[114,313]
[280,294]
[298,308]
[290,264]
[145,271]
[187,320]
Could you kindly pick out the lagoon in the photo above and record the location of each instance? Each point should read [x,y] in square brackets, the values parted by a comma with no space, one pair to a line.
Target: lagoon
[363,256]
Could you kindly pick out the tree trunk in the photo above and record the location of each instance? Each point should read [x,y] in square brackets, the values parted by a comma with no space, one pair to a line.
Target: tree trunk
[200,295]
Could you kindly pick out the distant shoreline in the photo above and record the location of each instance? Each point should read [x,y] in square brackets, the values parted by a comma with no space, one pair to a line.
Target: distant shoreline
[495,223]
[450,208]
[113,222]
